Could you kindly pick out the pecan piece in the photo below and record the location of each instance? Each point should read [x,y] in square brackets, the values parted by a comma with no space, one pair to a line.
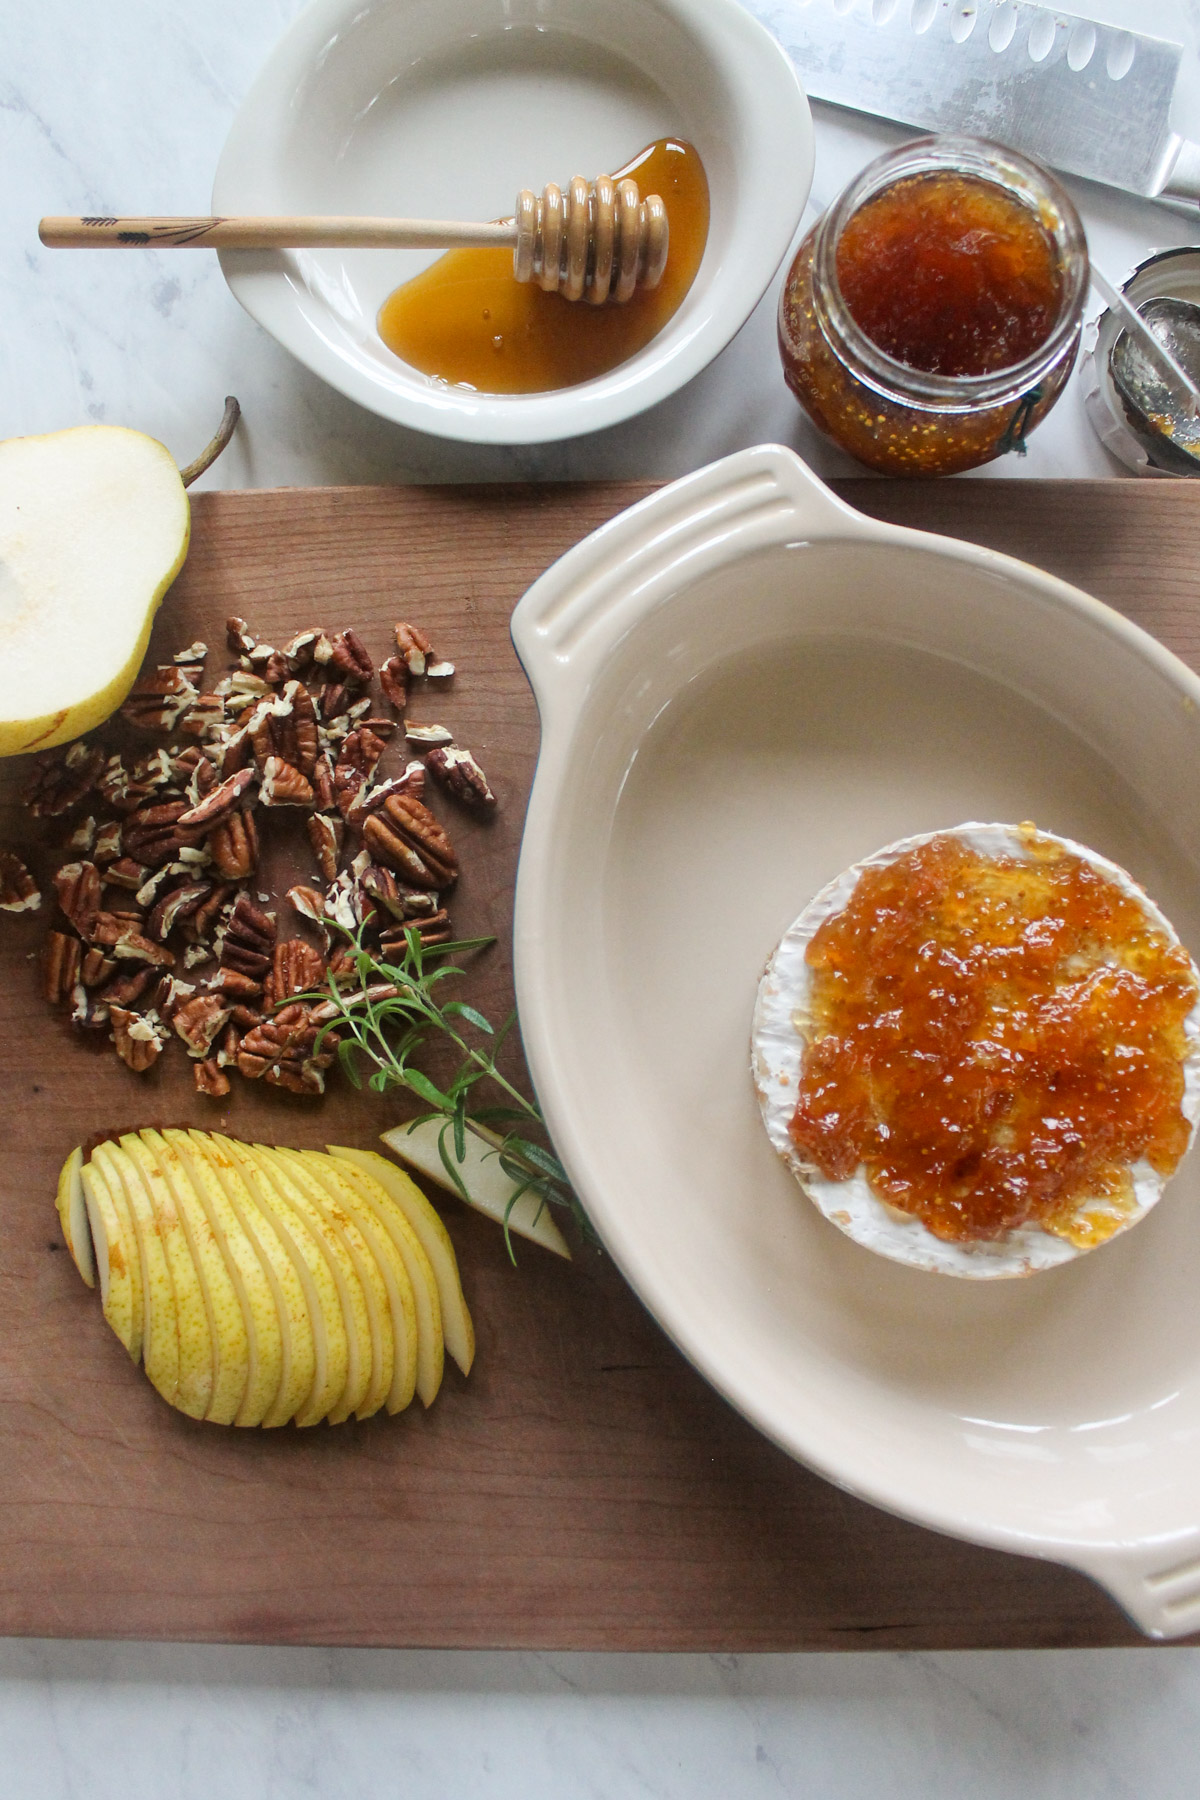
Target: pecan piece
[297,967]
[107,847]
[203,921]
[305,739]
[414,647]
[97,968]
[325,835]
[350,658]
[83,838]
[88,1012]
[308,903]
[19,892]
[271,730]
[249,940]
[429,734]
[236,986]
[300,650]
[61,966]
[239,637]
[322,779]
[393,679]
[204,717]
[154,835]
[334,698]
[211,1078]
[126,874]
[60,782]
[393,898]
[406,837]
[219,803]
[131,946]
[233,846]
[124,989]
[432,930]
[158,701]
[174,906]
[137,1039]
[284,785]
[458,772]
[198,1022]
[78,887]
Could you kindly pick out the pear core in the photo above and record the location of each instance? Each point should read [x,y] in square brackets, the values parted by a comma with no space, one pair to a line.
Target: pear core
[94,526]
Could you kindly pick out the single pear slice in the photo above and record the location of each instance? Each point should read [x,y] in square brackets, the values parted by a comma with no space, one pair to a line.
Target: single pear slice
[318,1281]
[116,1259]
[360,1288]
[160,1333]
[404,1304]
[286,1273]
[488,1188]
[194,1390]
[223,1309]
[457,1329]
[94,527]
[72,1216]
[431,1342]
[249,1270]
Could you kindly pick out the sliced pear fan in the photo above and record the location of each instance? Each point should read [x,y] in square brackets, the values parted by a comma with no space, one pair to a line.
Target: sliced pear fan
[260,1286]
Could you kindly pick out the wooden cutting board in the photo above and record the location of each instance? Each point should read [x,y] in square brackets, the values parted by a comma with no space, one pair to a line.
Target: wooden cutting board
[584,1488]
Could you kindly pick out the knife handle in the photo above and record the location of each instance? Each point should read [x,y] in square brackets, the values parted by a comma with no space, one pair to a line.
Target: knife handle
[1182,186]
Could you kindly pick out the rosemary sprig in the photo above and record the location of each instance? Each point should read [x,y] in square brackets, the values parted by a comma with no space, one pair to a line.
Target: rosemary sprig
[394,1013]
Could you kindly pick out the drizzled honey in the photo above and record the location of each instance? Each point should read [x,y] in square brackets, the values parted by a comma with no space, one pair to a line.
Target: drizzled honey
[466,321]
[996,1042]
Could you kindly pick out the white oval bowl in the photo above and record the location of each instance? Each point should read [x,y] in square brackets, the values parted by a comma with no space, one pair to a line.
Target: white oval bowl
[443,109]
[744,688]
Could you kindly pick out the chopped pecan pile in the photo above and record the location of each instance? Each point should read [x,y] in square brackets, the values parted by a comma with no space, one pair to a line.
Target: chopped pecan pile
[160,931]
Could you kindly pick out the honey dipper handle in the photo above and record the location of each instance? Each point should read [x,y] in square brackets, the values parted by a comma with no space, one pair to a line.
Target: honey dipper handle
[283,233]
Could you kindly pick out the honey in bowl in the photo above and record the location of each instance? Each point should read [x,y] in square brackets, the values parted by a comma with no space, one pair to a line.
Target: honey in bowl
[979,1051]
[466,321]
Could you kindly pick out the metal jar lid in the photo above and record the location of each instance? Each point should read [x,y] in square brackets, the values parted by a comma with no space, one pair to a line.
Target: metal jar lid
[1174,273]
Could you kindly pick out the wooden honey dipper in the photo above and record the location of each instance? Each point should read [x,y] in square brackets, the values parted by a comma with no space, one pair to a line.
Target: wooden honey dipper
[592,241]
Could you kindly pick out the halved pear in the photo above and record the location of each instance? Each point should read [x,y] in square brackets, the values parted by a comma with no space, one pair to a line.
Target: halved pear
[360,1288]
[489,1189]
[116,1259]
[194,1390]
[94,526]
[286,1273]
[331,1344]
[226,1322]
[457,1328]
[250,1272]
[431,1343]
[160,1333]
[72,1216]
[403,1304]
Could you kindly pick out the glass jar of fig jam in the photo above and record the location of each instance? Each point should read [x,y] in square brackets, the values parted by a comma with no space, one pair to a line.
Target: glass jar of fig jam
[931,317]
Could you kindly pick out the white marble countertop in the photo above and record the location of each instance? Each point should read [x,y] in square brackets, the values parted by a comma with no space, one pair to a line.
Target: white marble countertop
[125,105]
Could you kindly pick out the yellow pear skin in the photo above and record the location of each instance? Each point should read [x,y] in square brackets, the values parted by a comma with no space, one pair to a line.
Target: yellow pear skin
[94,528]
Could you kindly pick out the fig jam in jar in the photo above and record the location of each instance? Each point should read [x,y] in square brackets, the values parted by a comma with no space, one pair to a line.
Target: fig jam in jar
[931,318]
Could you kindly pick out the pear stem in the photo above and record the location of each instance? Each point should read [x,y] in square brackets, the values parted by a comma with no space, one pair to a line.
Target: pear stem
[210,453]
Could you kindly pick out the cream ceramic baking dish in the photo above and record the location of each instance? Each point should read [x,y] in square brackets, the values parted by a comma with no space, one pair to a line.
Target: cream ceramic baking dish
[744,687]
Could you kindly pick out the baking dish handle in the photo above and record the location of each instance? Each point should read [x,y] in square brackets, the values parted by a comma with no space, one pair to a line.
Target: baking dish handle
[1159,1586]
[570,619]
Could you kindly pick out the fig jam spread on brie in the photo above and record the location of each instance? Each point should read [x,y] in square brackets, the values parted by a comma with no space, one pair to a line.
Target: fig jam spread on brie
[979,1050]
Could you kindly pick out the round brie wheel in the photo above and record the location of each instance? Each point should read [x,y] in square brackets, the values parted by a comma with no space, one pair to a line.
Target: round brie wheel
[783,1017]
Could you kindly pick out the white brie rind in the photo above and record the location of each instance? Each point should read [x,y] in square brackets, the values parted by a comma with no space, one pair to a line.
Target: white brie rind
[782,1015]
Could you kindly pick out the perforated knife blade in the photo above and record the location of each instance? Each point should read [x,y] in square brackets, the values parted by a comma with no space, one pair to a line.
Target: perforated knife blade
[1086,98]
